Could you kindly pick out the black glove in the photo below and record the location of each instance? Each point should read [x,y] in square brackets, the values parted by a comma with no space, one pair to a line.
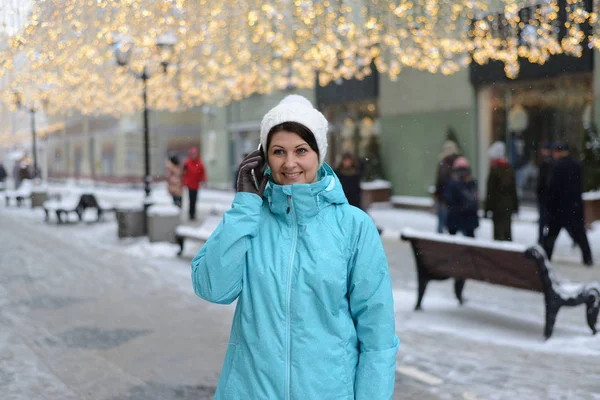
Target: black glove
[254,161]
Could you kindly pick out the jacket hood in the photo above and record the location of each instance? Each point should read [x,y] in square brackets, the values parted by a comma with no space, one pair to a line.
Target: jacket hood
[307,199]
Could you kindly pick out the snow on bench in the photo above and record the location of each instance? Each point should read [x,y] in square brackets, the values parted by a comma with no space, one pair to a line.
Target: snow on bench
[377,184]
[65,205]
[591,196]
[412,202]
[23,192]
[72,203]
[409,233]
[200,233]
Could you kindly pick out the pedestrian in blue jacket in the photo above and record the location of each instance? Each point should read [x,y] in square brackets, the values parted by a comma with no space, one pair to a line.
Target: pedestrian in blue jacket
[462,199]
[315,315]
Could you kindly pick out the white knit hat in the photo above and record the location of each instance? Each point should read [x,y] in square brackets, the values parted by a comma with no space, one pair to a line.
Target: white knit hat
[295,108]
[497,151]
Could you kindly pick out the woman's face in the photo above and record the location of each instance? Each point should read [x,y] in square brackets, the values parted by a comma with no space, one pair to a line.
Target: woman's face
[291,159]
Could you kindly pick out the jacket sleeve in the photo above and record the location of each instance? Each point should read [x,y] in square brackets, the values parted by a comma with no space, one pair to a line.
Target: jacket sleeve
[372,309]
[218,267]
[514,195]
[202,173]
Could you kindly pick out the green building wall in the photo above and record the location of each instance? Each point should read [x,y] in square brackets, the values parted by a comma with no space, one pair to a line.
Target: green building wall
[219,164]
[256,106]
[416,112]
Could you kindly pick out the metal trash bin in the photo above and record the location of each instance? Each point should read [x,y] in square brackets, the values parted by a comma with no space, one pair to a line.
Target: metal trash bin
[38,198]
[162,221]
[131,220]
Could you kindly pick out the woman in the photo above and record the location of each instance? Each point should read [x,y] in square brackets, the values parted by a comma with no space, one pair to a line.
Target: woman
[501,200]
[315,314]
[173,174]
[462,199]
[349,176]
[447,157]
[194,174]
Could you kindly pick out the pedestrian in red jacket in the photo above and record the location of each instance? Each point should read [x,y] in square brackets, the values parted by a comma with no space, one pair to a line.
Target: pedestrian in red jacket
[193,175]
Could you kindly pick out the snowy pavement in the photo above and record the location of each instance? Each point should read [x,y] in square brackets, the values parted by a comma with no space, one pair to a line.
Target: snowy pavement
[88,316]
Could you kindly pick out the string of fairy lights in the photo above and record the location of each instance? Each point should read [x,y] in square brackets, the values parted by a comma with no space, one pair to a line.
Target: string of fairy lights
[63,56]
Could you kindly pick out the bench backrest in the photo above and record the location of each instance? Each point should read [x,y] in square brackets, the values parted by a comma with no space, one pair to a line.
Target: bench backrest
[88,200]
[494,265]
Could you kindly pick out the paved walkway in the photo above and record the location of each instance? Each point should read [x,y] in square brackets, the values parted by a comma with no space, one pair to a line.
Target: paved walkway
[86,322]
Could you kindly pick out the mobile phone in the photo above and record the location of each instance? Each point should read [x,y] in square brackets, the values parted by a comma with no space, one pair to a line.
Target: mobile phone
[254,178]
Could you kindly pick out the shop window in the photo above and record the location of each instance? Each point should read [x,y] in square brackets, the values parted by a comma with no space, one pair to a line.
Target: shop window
[525,114]
[354,128]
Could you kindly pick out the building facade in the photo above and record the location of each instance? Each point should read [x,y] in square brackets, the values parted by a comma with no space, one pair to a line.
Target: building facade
[408,117]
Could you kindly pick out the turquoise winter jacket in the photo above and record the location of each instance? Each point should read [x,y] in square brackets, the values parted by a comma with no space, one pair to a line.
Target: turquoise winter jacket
[315,314]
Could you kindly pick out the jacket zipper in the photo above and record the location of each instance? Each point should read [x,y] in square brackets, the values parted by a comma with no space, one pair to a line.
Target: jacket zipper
[288,367]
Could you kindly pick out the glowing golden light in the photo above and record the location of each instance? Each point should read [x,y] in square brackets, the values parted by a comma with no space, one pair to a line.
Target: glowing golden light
[228,50]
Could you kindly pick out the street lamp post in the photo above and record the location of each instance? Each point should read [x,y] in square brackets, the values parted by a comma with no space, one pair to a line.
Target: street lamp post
[122,56]
[19,104]
[34,143]
[147,178]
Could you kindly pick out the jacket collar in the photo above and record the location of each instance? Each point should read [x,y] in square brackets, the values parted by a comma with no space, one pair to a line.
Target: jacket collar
[306,200]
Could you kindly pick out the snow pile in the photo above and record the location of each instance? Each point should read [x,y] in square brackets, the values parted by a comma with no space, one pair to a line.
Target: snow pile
[164,210]
[202,232]
[130,206]
[377,184]
[591,195]
[489,319]
[142,248]
[413,201]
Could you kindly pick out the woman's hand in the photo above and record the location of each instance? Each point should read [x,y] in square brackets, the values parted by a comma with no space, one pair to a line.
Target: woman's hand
[254,161]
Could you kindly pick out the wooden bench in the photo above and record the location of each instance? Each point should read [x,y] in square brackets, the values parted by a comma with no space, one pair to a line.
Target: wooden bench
[200,233]
[440,257]
[77,205]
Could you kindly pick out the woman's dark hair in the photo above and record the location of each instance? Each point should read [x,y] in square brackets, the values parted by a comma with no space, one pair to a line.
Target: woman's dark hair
[296,128]
[174,160]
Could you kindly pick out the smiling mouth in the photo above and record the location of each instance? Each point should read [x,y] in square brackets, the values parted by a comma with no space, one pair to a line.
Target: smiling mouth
[292,175]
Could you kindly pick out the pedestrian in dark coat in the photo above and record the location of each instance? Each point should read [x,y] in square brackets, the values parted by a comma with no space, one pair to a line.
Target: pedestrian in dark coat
[565,205]
[3,173]
[501,200]
[349,175]
[462,199]
[543,184]
[448,155]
